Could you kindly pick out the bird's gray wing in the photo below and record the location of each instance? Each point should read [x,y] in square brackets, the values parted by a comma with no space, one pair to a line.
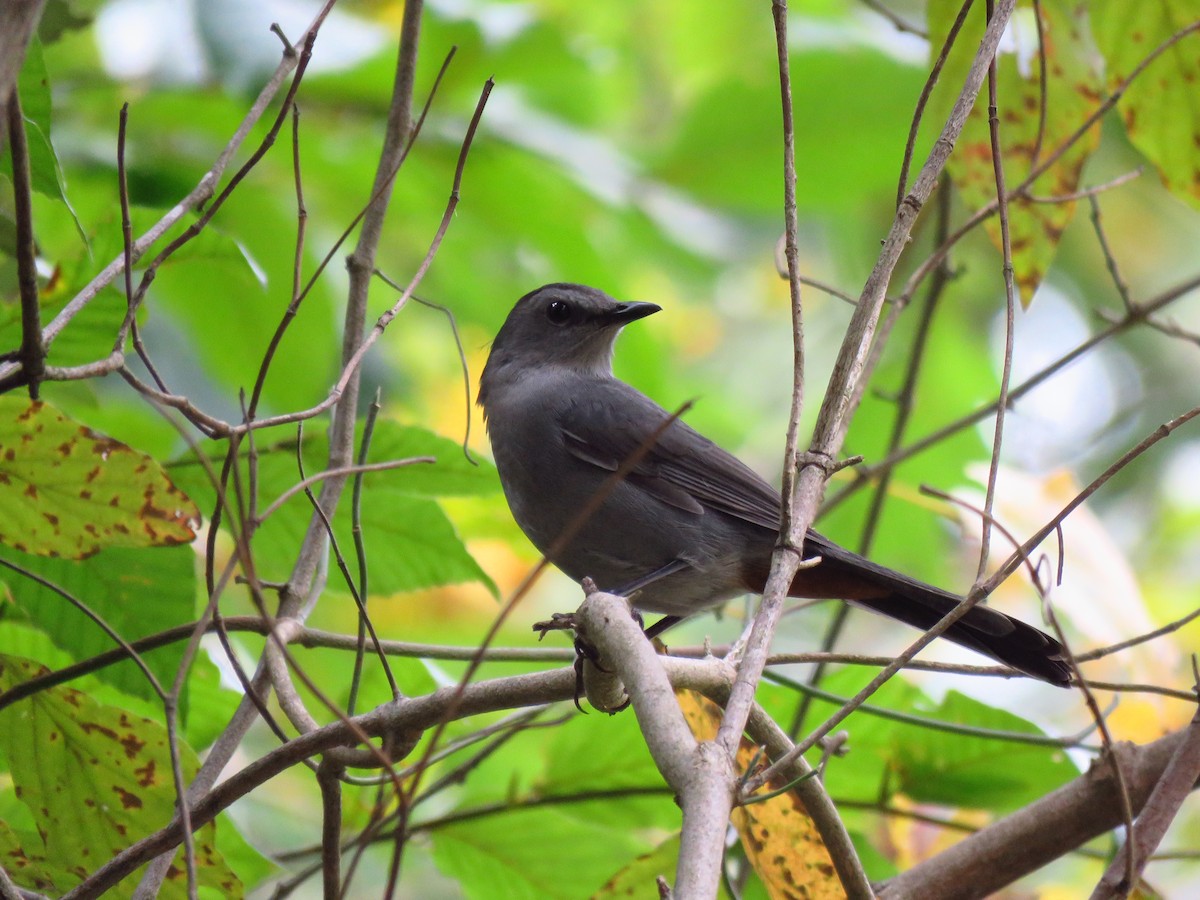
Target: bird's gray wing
[682,468]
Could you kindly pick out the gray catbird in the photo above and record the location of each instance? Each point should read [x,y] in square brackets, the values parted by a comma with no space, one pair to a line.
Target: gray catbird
[690,526]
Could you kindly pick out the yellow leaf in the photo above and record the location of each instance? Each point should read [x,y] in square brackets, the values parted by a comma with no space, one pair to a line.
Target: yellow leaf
[778,835]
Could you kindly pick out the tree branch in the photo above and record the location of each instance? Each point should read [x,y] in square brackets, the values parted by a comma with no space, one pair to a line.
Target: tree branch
[32,354]
[840,396]
[1030,838]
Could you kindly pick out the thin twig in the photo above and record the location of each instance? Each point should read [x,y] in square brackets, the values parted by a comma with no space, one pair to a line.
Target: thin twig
[1016,737]
[864,474]
[1177,781]
[905,403]
[838,405]
[1084,193]
[360,555]
[1163,431]
[900,24]
[1110,260]
[1043,86]
[129,325]
[462,361]
[126,648]
[358,469]
[194,200]
[32,355]
[923,100]
[785,562]
[1010,313]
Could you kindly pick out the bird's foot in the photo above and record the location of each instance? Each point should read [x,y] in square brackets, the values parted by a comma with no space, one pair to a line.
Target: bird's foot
[585,655]
[556,622]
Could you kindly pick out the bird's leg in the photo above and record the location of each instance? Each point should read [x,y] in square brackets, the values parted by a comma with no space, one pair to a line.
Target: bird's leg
[584,651]
[675,565]
[661,625]
[566,621]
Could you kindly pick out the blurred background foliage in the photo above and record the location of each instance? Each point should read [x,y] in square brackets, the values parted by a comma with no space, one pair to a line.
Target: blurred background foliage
[634,146]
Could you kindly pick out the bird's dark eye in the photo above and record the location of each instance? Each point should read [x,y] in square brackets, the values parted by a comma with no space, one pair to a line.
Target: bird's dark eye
[558,312]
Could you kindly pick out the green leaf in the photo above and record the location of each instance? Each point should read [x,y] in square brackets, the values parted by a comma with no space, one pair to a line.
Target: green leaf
[67,491]
[930,763]
[1072,93]
[34,86]
[636,879]
[1160,109]
[205,706]
[736,122]
[601,758]
[62,16]
[862,775]
[45,173]
[411,544]
[415,546]
[506,855]
[96,778]
[138,592]
[451,473]
[983,772]
[599,753]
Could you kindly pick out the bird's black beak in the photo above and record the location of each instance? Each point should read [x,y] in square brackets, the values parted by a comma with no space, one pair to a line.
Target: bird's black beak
[624,313]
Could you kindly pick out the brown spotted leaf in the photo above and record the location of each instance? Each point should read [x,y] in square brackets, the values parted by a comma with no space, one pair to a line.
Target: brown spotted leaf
[20,852]
[67,491]
[1027,134]
[95,779]
[1161,108]
[778,835]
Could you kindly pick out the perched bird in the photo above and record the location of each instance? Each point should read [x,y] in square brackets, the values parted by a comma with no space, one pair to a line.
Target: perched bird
[690,526]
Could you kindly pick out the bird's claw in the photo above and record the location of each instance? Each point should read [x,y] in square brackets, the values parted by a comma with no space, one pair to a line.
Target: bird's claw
[556,622]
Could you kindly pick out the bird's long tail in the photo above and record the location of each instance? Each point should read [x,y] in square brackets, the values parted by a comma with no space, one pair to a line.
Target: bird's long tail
[983,629]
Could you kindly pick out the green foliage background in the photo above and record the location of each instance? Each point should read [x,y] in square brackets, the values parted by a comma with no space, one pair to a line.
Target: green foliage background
[635,146]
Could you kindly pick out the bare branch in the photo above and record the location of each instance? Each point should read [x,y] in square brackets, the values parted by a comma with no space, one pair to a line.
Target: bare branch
[18,22]
[1023,842]
[32,355]
[839,403]
[1177,781]
[193,201]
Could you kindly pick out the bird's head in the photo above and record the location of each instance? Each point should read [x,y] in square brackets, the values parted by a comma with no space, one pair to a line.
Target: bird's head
[559,325]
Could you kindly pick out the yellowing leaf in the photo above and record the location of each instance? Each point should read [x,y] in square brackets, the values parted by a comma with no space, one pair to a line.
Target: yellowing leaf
[67,491]
[95,779]
[1160,109]
[1027,135]
[778,835]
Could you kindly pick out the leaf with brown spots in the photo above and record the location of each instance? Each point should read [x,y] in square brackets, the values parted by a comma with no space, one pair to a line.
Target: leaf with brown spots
[27,865]
[1161,108]
[95,779]
[67,491]
[138,591]
[778,835]
[1027,136]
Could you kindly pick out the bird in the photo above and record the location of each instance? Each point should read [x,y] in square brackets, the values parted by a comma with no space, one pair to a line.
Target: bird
[689,526]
